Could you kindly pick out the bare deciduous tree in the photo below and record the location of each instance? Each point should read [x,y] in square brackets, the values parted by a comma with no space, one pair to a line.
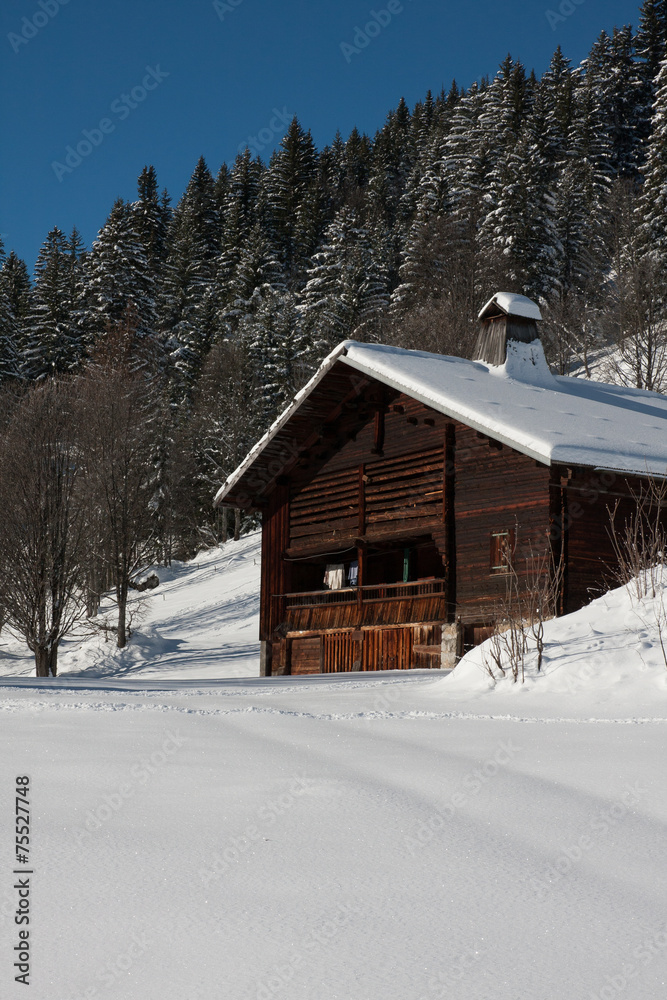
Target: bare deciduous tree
[116,412]
[640,542]
[531,598]
[42,530]
[640,547]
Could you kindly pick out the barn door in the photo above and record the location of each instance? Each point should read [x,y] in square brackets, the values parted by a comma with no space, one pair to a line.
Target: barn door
[427,646]
[388,649]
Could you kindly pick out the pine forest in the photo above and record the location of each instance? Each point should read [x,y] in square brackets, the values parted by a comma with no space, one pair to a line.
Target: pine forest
[136,374]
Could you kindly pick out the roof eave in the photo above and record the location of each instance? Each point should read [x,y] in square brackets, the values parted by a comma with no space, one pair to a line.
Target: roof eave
[278,424]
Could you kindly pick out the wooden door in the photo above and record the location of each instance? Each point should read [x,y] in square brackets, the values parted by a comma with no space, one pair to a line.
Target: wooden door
[388,649]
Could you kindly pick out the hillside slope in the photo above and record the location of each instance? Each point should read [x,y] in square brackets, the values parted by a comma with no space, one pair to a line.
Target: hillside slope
[202,621]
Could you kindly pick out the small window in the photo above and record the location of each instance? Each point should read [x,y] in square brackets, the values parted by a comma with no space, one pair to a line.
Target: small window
[502,548]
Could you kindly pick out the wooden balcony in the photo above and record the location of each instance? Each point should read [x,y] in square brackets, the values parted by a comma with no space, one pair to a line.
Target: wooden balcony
[350,607]
[355,595]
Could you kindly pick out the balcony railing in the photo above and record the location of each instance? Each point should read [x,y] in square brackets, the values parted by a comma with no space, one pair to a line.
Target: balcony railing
[365,595]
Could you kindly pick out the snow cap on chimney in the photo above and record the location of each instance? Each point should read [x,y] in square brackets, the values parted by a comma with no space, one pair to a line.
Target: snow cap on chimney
[509,304]
[505,317]
[509,341]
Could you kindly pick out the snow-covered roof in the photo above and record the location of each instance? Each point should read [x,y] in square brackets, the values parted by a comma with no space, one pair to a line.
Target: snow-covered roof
[511,305]
[553,419]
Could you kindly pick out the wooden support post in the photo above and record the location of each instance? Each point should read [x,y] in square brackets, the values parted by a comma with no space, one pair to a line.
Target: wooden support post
[361,554]
[264,659]
[449,517]
[361,559]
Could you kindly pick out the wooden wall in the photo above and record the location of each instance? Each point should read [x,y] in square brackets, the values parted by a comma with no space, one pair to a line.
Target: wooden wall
[496,489]
[394,468]
[590,496]
[275,571]
[431,608]
[381,476]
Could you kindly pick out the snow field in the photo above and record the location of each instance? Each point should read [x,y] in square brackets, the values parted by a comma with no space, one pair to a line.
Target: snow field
[298,843]
[363,837]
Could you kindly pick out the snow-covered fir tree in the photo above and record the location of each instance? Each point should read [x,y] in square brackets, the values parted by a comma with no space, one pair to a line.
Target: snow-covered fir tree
[116,277]
[346,285]
[554,186]
[54,343]
[10,326]
[654,193]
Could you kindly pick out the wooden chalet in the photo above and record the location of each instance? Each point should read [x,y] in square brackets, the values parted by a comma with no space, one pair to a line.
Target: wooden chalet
[399,486]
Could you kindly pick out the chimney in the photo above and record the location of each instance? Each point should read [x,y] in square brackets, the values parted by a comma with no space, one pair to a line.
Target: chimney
[505,317]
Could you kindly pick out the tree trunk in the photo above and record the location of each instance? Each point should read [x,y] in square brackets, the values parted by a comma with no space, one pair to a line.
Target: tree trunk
[121,595]
[92,596]
[41,661]
[53,661]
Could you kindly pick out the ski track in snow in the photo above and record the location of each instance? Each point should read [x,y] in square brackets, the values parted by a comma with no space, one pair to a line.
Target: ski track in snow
[101,706]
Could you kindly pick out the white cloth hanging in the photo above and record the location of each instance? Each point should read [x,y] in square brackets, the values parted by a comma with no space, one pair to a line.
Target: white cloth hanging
[334,576]
[353,574]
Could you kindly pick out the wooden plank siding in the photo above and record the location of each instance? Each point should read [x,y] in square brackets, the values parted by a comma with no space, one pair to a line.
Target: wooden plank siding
[306,655]
[377,613]
[397,492]
[325,511]
[381,649]
[406,488]
[496,489]
[275,569]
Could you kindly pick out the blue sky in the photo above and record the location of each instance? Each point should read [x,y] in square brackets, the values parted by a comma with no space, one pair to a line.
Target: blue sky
[173,79]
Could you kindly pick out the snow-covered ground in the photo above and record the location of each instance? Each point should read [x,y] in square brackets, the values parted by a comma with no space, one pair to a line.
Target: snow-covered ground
[365,837]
